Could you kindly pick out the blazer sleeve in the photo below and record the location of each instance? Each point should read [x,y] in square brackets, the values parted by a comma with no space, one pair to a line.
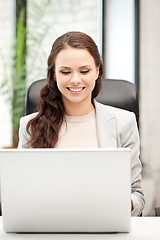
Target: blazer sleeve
[129,137]
[23,135]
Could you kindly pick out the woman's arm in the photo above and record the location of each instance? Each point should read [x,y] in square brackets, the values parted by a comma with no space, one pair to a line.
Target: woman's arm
[23,136]
[130,138]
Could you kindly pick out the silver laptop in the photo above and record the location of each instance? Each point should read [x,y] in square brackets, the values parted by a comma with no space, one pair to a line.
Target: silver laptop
[65,190]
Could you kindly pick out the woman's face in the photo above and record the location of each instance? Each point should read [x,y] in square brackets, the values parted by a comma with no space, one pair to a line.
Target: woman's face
[76,74]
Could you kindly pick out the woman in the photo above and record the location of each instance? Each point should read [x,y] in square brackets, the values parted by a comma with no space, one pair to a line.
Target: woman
[69,116]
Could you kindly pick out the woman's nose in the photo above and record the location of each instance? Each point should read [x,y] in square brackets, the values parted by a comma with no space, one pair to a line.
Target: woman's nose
[75,78]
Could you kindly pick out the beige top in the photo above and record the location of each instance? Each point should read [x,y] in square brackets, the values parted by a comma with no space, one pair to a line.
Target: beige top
[78,132]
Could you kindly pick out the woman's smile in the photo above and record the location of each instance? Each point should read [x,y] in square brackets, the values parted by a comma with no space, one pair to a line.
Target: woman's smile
[75,90]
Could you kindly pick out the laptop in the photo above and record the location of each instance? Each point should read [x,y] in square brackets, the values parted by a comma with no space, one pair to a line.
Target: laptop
[65,190]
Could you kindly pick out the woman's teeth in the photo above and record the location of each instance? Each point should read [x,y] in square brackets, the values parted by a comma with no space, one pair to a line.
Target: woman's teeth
[75,89]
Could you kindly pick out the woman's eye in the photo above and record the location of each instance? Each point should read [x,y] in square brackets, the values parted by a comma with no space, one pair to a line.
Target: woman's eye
[85,72]
[64,72]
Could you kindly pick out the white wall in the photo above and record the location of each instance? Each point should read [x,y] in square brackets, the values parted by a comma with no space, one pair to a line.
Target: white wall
[150,93]
[119,50]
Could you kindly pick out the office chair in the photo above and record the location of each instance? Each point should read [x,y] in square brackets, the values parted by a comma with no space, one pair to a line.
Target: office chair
[117,93]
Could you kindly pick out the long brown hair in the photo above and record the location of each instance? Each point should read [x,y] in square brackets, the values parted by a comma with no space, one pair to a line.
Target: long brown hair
[44,128]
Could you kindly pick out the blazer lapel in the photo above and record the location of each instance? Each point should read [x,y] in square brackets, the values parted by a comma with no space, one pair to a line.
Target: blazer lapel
[106,126]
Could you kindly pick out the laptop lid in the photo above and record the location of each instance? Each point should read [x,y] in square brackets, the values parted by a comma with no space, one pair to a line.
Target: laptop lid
[65,190]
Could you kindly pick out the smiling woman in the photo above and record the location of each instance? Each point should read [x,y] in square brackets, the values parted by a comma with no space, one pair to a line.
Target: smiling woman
[69,116]
[74,77]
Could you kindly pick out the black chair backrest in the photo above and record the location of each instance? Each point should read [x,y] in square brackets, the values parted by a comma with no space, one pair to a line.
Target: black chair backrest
[116,93]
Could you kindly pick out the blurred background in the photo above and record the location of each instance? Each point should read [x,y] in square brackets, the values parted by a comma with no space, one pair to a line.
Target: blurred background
[127,33]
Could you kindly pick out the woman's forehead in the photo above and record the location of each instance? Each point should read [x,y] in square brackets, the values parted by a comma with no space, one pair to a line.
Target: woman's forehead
[72,56]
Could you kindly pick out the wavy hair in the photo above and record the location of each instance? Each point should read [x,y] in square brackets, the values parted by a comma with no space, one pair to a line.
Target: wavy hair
[44,128]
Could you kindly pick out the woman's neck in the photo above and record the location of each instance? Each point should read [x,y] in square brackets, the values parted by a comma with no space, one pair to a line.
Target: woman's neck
[78,109]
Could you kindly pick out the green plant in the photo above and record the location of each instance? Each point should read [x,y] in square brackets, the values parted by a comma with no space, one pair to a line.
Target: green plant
[19,69]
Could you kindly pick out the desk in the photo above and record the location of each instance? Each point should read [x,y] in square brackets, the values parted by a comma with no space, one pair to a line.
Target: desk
[142,228]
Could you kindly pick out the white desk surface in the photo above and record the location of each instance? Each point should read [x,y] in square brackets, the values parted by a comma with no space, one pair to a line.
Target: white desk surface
[142,228]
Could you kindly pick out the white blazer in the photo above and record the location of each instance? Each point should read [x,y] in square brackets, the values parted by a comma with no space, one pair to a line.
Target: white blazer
[116,128]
